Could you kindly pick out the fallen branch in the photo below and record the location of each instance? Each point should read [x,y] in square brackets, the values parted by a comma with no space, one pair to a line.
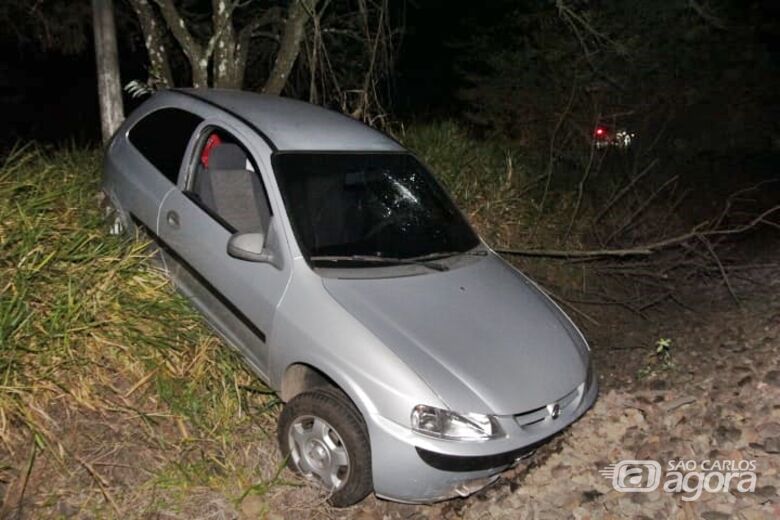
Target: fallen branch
[562,253]
[629,222]
[571,306]
[646,249]
[722,270]
[668,406]
[619,195]
[102,484]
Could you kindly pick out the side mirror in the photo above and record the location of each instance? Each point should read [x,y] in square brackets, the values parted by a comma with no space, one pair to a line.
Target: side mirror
[250,247]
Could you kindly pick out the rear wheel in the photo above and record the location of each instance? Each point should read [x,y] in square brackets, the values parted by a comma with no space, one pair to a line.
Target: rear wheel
[118,222]
[325,439]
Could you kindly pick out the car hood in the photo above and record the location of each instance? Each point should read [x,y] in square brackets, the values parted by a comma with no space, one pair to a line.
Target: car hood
[482,336]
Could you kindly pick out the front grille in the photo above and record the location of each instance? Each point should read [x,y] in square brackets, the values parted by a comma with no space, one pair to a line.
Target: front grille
[538,417]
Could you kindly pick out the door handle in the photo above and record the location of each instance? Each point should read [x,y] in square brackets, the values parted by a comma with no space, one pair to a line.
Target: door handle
[173,219]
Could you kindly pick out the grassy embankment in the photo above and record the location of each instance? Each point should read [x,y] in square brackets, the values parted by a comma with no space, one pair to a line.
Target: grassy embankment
[111,388]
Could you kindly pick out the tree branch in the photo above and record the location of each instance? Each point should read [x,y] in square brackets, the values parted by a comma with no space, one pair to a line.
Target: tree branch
[297,16]
[625,190]
[642,207]
[246,34]
[159,67]
[189,45]
[646,249]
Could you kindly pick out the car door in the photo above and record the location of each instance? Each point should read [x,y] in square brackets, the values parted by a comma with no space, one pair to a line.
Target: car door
[238,297]
[143,168]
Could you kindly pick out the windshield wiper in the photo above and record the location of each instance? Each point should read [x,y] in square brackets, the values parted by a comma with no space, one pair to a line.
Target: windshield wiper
[387,260]
[446,254]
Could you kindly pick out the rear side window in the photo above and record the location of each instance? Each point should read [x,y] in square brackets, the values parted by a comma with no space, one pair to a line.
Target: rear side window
[162,138]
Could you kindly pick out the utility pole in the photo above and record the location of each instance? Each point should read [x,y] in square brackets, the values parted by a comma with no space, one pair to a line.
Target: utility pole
[107,60]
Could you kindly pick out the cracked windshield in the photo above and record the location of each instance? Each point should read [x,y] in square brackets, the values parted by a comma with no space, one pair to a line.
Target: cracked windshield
[369,205]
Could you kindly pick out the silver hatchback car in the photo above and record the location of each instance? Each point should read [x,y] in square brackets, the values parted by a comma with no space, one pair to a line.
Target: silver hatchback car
[414,362]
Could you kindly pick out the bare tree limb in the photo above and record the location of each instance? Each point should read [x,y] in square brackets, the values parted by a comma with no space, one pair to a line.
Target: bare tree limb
[619,195]
[571,306]
[551,157]
[642,207]
[245,36]
[290,45]
[572,253]
[646,249]
[189,45]
[721,269]
[580,191]
[706,15]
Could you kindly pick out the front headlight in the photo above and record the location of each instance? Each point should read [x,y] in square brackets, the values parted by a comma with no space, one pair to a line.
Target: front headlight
[445,424]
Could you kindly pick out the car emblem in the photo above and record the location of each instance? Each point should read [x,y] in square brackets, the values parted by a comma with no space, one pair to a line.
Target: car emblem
[554,410]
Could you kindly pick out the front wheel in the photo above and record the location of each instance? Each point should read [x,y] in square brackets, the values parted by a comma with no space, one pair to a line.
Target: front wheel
[325,439]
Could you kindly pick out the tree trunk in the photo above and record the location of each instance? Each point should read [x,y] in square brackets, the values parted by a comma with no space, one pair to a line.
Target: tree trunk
[226,51]
[196,54]
[107,59]
[244,40]
[159,69]
[224,57]
[290,45]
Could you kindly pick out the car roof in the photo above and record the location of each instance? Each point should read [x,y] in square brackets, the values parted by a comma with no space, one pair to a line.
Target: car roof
[289,124]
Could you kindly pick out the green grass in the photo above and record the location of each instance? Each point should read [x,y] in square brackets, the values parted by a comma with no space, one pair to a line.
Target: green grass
[485,179]
[89,328]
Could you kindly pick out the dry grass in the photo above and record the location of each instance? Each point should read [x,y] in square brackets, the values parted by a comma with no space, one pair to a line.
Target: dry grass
[486,181]
[115,399]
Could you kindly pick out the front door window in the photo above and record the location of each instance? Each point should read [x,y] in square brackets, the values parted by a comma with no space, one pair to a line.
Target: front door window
[227,185]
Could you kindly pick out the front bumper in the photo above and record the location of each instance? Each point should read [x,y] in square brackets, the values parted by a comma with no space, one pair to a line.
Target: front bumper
[409,467]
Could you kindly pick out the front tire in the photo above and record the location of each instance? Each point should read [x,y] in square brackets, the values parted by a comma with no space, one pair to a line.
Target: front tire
[325,439]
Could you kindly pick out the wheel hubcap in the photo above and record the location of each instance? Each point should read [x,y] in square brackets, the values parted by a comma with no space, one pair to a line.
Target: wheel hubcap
[318,451]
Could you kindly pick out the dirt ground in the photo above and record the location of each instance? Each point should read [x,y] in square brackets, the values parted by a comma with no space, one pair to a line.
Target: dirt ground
[715,396]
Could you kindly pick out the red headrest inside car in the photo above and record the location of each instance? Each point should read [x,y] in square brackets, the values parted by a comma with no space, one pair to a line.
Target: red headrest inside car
[213,141]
